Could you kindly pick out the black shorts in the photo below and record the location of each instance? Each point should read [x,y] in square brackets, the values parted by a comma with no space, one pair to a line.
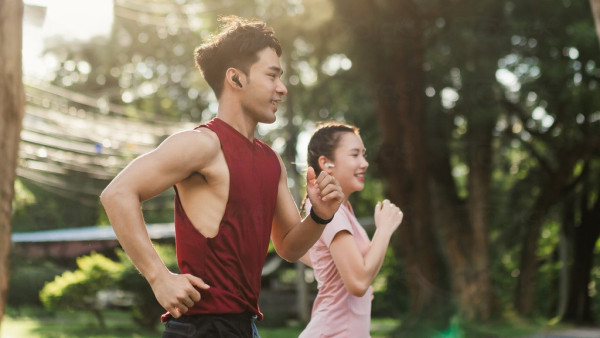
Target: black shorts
[218,325]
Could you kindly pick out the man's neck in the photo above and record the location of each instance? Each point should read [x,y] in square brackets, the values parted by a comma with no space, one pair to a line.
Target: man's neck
[239,122]
[231,112]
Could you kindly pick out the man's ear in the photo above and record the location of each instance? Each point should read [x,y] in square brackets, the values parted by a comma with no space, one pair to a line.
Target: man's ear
[232,76]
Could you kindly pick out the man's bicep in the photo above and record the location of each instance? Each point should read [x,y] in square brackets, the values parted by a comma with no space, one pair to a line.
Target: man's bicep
[149,175]
[160,169]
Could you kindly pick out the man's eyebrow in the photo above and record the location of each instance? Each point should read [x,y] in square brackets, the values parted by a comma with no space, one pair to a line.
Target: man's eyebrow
[276,69]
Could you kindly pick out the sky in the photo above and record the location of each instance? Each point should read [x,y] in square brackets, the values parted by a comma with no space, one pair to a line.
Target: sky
[72,20]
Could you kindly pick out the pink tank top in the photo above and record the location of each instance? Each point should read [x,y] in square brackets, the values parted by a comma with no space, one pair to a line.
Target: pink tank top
[231,262]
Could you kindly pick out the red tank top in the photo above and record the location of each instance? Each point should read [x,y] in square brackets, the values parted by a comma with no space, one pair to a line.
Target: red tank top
[231,262]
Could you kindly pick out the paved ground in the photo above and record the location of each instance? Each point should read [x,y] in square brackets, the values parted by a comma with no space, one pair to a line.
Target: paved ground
[573,333]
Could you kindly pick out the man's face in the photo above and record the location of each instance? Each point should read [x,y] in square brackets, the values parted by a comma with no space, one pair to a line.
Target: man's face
[263,88]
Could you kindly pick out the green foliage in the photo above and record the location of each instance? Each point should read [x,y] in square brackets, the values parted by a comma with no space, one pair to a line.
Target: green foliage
[50,210]
[23,197]
[505,271]
[363,203]
[77,290]
[145,311]
[393,299]
[549,47]
[27,278]
[594,288]
[35,322]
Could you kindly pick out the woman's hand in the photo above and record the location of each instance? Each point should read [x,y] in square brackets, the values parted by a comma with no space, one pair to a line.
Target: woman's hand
[387,216]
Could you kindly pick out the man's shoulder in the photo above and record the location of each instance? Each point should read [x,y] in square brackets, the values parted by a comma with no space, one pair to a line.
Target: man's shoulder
[199,134]
[199,138]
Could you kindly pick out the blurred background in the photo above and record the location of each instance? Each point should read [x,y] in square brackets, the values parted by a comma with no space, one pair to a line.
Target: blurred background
[481,121]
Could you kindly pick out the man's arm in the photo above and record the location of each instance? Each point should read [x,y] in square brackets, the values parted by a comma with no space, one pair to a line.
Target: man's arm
[292,236]
[145,177]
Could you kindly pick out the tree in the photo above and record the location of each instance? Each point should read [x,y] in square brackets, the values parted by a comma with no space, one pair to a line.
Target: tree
[581,223]
[12,103]
[395,75]
[482,167]
[595,4]
[420,45]
[555,120]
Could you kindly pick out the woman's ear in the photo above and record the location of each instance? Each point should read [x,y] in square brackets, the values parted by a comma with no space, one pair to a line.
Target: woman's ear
[325,164]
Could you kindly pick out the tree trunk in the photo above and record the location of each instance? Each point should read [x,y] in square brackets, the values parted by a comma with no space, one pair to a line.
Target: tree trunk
[289,157]
[464,223]
[595,4]
[564,256]
[578,308]
[474,285]
[554,185]
[586,234]
[12,102]
[402,160]
[528,266]
[99,317]
[476,297]
[388,51]
[302,292]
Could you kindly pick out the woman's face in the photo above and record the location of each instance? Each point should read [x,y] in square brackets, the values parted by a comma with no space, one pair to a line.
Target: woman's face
[350,163]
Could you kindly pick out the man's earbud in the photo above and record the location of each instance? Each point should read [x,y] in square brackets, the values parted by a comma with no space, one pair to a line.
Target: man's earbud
[236,79]
[329,165]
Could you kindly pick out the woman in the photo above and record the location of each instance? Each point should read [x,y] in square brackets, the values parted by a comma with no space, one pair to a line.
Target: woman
[344,260]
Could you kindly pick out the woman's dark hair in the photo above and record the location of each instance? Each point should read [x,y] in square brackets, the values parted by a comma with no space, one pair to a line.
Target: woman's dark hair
[323,142]
[235,46]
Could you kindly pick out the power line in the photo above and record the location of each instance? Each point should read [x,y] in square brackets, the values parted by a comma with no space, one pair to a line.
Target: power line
[69,146]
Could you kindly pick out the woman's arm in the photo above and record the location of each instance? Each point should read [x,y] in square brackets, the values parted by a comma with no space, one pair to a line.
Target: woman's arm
[358,271]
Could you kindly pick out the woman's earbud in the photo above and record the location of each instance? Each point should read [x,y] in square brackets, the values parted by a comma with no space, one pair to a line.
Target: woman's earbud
[329,165]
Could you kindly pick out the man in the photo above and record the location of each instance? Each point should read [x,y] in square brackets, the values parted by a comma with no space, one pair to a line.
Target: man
[231,194]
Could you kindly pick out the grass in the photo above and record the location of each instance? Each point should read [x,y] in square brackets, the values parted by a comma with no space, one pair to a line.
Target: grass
[35,322]
[38,323]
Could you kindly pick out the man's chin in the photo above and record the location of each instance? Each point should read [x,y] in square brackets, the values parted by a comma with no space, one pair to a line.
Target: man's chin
[269,120]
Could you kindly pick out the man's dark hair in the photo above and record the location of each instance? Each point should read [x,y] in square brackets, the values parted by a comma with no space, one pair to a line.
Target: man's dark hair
[236,45]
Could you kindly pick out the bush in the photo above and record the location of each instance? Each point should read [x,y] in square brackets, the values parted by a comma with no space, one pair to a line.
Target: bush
[27,278]
[97,276]
[77,290]
[145,310]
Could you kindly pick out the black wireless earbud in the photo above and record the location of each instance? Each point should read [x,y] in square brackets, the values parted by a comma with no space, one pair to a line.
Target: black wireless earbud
[236,79]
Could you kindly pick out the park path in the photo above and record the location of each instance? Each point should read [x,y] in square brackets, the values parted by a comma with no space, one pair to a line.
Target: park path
[571,333]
